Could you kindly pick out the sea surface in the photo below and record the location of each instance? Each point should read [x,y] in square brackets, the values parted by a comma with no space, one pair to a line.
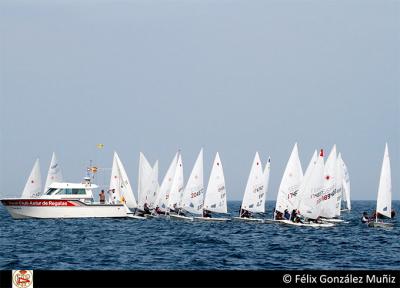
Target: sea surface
[127,244]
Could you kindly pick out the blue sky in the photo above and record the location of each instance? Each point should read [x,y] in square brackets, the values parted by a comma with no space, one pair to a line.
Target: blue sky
[229,76]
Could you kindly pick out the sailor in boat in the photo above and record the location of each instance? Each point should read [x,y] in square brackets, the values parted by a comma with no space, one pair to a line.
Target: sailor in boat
[246,214]
[146,209]
[318,220]
[158,210]
[180,212]
[206,214]
[295,216]
[287,214]
[279,215]
[365,218]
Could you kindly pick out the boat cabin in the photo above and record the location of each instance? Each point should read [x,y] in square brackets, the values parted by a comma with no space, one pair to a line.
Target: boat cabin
[65,190]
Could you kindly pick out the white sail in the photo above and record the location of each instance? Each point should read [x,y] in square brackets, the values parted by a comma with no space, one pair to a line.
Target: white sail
[384,201]
[193,195]
[311,164]
[346,185]
[54,173]
[153,203]
[147,184]
[339,184]
[115,181]
[254,195]
[120,182]
[329,199]
[289,188]
[175,196]
[33,186]
[267,171]
[165,188]
[311,190]
[155,171]
[215,198]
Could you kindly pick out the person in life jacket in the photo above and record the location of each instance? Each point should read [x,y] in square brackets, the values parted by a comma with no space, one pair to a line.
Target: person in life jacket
[365,218]
[287,214]
[146,209]
[206,213]
[158,210]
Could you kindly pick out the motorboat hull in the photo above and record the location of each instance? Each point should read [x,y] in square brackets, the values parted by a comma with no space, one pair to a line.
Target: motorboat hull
[62,208]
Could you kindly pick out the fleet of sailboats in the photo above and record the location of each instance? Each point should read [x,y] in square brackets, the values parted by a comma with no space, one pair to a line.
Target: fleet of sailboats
[316,198]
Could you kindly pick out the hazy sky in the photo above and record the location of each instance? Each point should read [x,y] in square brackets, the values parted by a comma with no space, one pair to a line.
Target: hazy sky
[230,76]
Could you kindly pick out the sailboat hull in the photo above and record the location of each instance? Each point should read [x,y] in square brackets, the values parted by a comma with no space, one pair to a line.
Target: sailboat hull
[55,208]
[137,217]
[180,217]
[288,222]
[332,220]
[208,219]
[257,220]
[380,224]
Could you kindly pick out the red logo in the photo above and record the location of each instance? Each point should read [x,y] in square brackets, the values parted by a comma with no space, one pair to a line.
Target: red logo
[22,278]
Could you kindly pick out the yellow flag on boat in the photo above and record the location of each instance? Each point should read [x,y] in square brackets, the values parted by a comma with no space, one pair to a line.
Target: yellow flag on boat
[100,146]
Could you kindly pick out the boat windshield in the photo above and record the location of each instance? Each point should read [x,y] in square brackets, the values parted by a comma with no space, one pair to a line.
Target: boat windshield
[51,191]
[69,191]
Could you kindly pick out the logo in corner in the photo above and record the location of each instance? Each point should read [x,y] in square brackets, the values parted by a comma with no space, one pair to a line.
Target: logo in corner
[22,278]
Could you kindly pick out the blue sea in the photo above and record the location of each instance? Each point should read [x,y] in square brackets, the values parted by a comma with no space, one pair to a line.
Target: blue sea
[127,244]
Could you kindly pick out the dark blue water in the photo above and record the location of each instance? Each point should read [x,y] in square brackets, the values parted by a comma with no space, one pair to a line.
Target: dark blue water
[162,244]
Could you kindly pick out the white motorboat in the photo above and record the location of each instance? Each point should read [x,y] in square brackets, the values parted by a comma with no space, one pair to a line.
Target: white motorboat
[64,200]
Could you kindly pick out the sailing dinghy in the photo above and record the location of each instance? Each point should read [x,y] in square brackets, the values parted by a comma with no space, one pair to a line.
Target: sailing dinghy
[161,203]
[192,200]
[289,187]
[254,195]
[311,192]
[384,199]
[147,186]
[175,197]
[215,197]
[120,188]
[330,200]
[345,184]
